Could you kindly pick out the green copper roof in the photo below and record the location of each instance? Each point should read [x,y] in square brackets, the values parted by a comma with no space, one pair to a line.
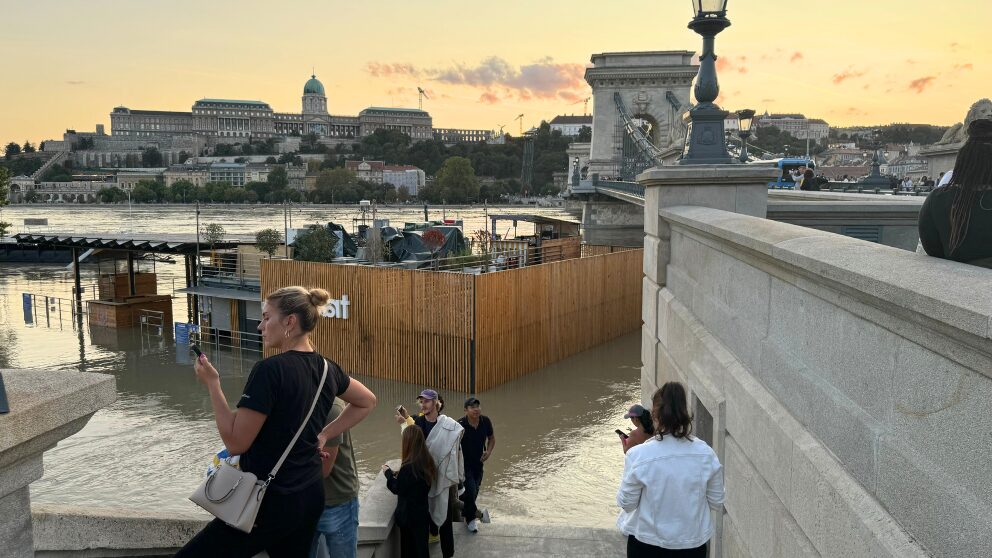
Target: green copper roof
[313,86]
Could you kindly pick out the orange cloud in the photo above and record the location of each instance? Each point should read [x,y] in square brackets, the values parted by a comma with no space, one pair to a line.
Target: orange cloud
[488,98]
[543,79]
[846,75]
[731,64]
[378,69]
[921,84]
[796,56]
[968,66]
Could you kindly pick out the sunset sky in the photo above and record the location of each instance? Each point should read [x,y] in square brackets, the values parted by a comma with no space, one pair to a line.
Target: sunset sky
[67,63]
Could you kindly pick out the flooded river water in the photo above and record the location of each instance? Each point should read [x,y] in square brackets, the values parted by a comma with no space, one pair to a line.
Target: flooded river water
[557,460]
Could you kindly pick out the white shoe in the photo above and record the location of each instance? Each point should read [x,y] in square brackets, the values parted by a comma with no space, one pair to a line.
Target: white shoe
[485,516]
[473,526]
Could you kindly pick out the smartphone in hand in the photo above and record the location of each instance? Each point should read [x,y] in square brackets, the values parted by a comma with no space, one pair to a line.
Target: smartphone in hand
[196,350]
[401,411]
[621,433]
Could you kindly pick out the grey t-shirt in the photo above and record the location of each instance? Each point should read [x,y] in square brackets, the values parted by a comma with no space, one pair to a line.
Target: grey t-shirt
[341,486]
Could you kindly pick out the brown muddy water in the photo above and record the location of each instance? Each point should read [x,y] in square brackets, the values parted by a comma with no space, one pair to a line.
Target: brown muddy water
[557,459]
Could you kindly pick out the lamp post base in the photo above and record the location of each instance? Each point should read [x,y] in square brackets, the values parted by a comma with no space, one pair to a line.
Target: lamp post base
[704,144]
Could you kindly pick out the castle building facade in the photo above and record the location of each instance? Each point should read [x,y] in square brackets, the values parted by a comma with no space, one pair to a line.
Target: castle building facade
[235,121]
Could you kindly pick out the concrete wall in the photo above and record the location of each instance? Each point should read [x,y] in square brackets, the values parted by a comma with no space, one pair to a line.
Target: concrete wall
[845,385]
[612,223]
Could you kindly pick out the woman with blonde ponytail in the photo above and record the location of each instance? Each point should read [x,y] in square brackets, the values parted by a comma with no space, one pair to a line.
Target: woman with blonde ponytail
[275,402]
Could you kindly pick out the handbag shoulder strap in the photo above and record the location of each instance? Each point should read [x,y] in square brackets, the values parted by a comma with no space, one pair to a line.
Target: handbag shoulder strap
[285,454]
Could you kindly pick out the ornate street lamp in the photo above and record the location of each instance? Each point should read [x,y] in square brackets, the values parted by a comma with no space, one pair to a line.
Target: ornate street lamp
[875,178]
[745,118]
[704,140]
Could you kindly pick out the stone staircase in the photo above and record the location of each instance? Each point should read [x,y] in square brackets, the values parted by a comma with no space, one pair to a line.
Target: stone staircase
[57,158]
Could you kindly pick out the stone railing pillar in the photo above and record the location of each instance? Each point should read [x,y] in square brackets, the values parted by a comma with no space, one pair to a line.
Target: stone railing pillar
[45,407]
[736,188]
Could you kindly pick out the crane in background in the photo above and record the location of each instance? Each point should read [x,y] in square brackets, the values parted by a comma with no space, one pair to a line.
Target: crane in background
[501,126]
[521,119]
[421,93]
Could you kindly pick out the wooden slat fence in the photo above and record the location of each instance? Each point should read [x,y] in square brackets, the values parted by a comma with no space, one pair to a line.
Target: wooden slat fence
[529,318]
[413,326]
[469,333]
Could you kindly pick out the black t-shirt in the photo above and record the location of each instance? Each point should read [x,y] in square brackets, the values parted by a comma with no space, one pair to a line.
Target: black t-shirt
[935,226]
[474,440]
[282,387]
[425,425]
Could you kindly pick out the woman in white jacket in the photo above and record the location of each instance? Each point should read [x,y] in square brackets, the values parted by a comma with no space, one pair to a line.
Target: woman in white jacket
[672,485]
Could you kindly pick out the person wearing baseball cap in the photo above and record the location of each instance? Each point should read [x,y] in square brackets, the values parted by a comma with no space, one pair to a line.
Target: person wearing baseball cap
[643,427]
[445,448]
[477,446]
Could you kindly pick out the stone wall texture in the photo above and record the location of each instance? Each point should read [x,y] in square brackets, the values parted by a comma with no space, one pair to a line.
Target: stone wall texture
[848,384]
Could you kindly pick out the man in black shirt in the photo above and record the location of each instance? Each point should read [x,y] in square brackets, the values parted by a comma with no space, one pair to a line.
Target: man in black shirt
[477,445]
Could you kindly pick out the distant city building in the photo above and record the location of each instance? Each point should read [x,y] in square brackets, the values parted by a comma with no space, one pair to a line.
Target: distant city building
[455,135]
[404,175]
[236,174]
[570,125]
[369,171]
[796,124]
[236,121]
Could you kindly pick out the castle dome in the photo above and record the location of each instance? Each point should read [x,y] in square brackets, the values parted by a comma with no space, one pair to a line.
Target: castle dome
[313,87]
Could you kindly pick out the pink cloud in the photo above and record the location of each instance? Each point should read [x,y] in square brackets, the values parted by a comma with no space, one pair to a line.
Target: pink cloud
[921,84]
[488,98]
[796,56]
[386,70]
[846,75]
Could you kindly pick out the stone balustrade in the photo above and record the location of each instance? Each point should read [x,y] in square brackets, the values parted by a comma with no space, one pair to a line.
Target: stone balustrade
[45,407]
[846,386]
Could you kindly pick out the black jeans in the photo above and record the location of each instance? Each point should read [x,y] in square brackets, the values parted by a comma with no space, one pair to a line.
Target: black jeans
[473,481]
[284,528]
[413,542]
[637,549]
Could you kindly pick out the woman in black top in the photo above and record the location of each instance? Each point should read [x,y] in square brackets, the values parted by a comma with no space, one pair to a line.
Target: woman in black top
[412,484]
[956,219]
[275,401]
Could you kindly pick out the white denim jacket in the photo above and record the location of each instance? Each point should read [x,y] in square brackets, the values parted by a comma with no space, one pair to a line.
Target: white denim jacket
[669,492]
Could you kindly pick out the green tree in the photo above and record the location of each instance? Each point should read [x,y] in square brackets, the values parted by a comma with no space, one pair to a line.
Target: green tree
[32,197]
[4,199]
[112,194]
[182,191]
[335,185]
[151,157]
[212,234]
[57,173]
[456,182]
[310,143]
[585,134]
[277,178]
[403,194]
[268,241]
[28,148]
[260,189]
[315,244]
[223,150]
[142,194]
[12,149]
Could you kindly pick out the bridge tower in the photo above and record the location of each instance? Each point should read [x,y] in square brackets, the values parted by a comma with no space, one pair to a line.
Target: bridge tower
[654,87]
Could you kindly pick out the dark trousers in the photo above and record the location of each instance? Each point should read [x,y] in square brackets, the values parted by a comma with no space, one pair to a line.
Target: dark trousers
[284,528]
[637,549]
[445,531]
[473,481]
[413,542]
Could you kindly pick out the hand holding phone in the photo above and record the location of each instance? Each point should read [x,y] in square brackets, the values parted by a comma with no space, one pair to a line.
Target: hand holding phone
[621,433]
[196,350]
[401,411]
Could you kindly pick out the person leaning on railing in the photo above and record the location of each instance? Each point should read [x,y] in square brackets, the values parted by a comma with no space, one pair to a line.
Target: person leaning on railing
[956,218]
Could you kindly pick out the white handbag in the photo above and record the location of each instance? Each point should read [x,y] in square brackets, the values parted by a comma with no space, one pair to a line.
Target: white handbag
[234,496]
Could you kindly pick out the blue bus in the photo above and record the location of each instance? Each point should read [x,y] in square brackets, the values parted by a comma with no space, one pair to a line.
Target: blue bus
[786,165]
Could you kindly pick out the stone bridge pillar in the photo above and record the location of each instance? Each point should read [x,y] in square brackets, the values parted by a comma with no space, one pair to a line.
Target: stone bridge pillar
[45,407]
[654,86]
